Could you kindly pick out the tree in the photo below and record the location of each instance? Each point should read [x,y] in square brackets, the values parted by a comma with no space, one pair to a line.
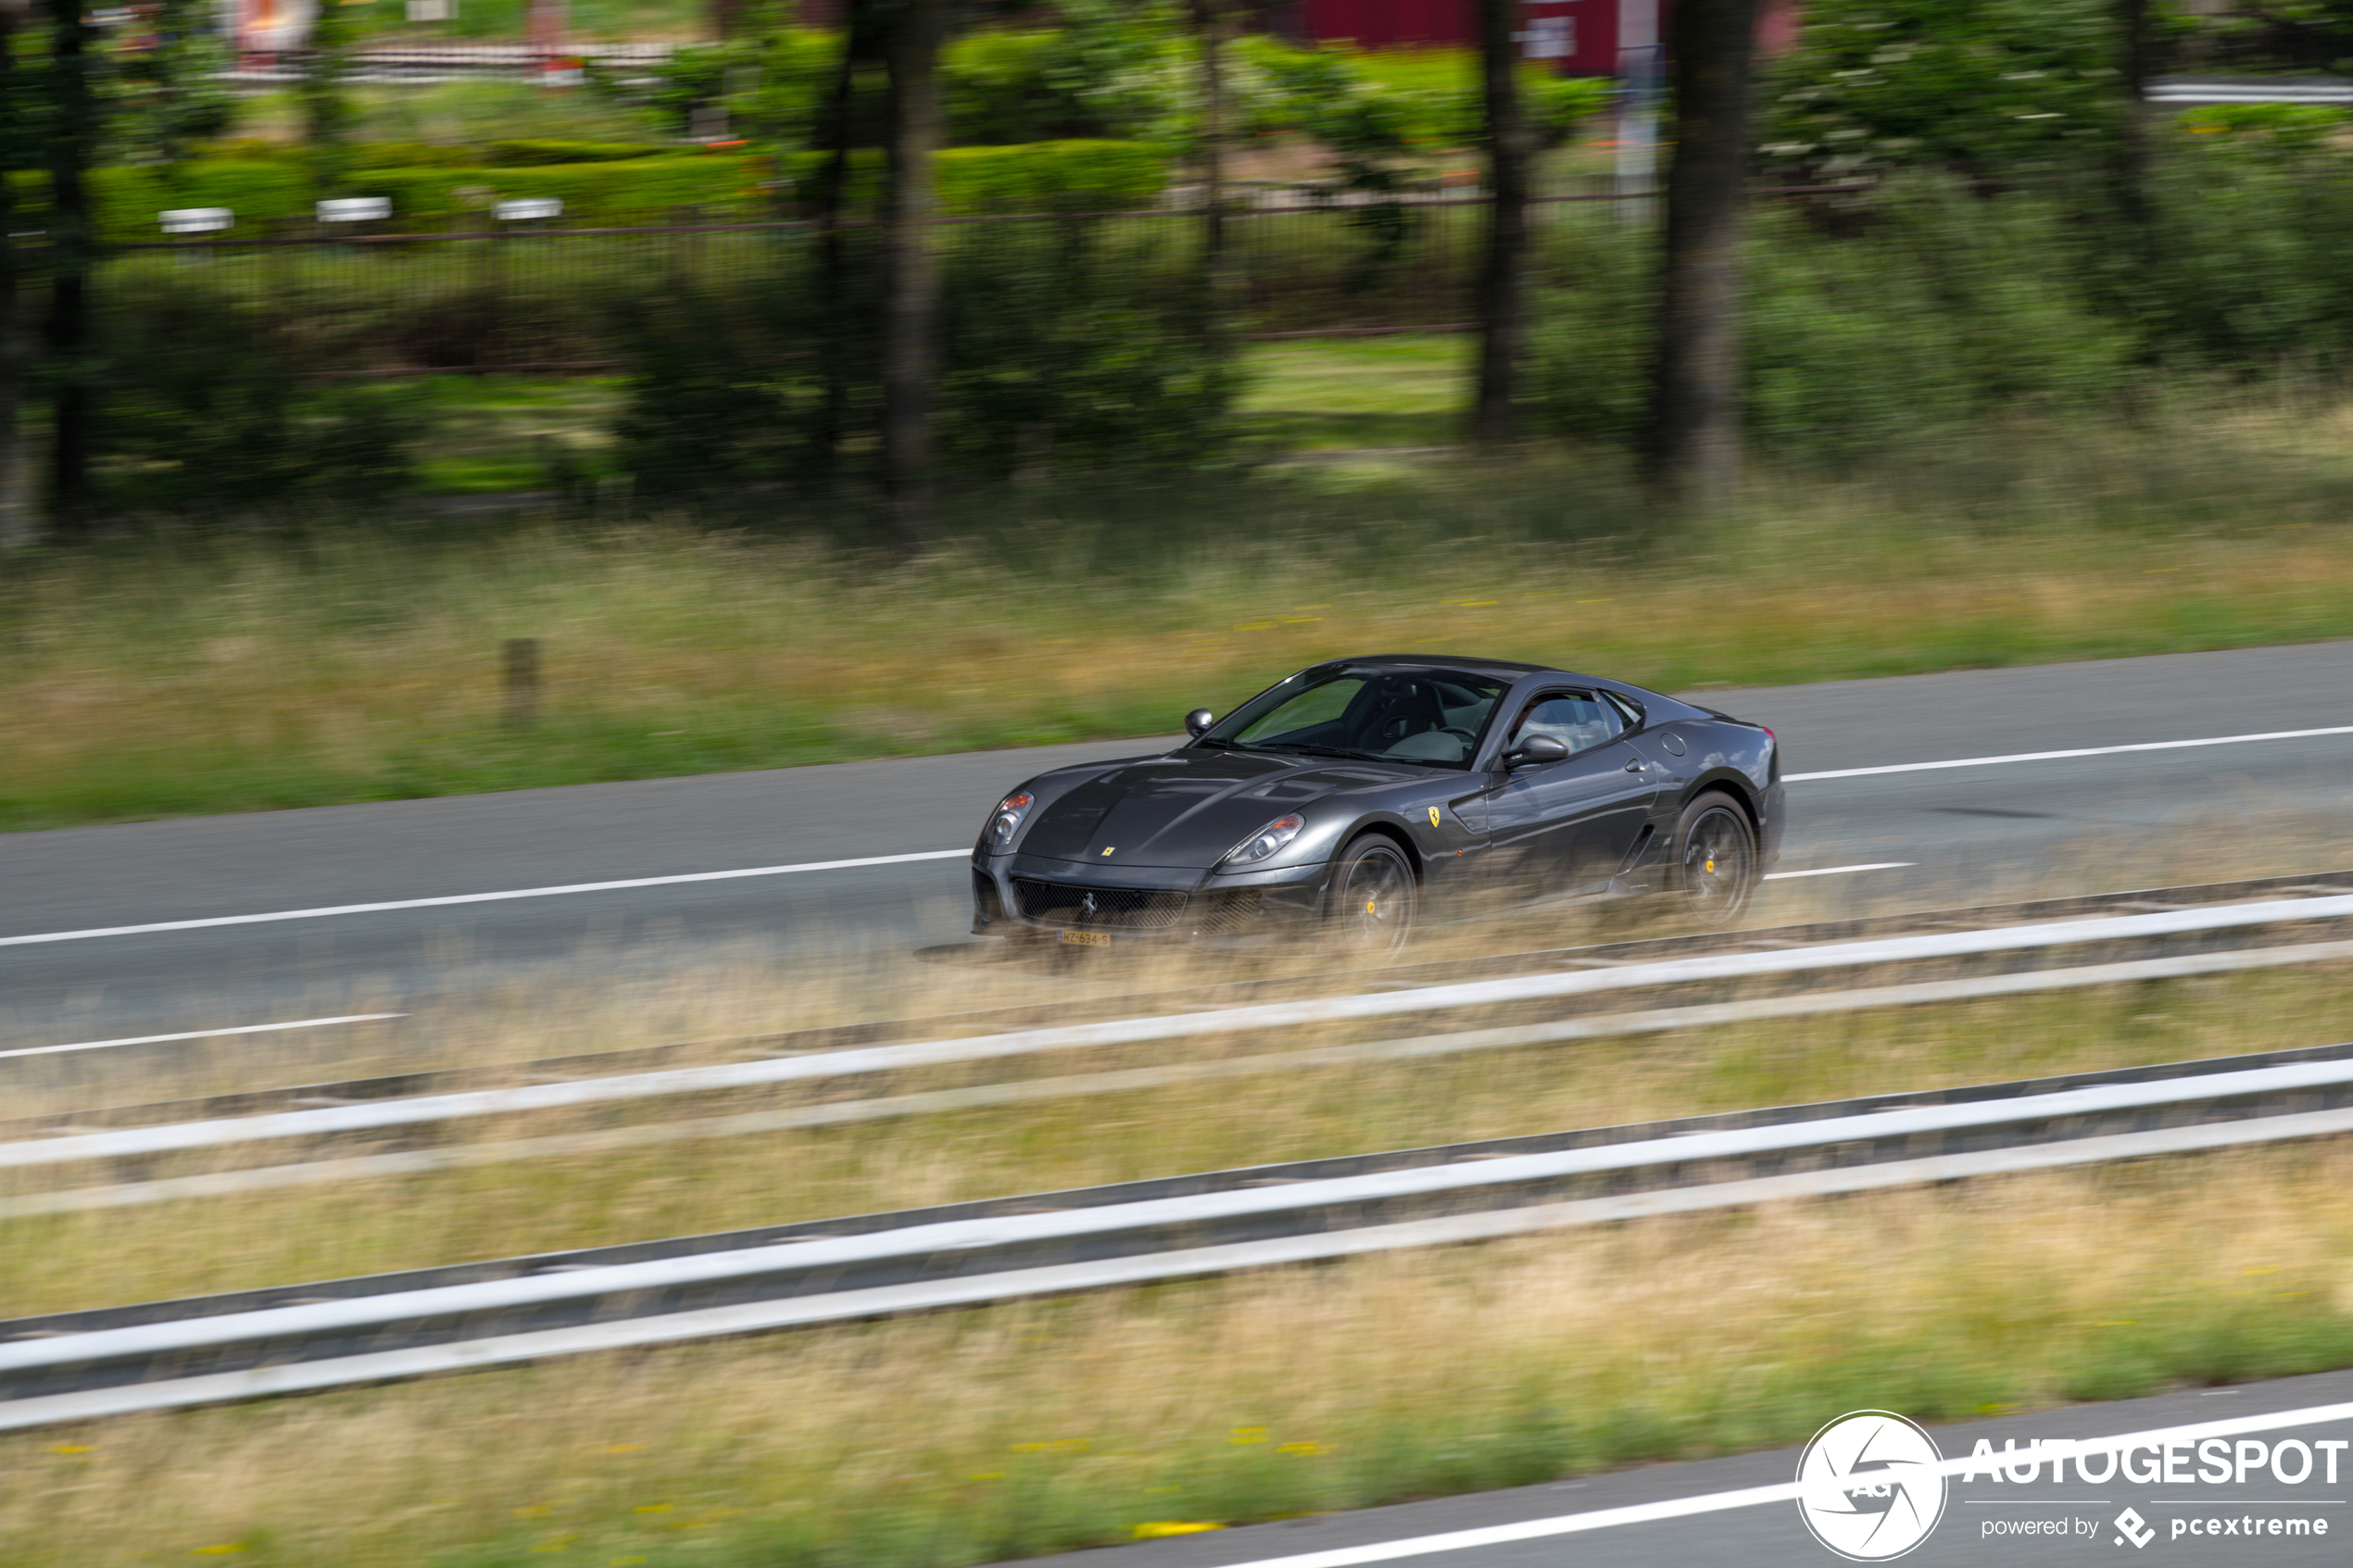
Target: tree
[1694,449]
[1499,279]
[1212,25]
[326,107]
[72,135]
[862,44]
[15,146]
[909,270]
[2132,142]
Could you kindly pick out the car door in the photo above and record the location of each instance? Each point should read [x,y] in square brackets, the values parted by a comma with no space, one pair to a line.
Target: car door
[1565,827]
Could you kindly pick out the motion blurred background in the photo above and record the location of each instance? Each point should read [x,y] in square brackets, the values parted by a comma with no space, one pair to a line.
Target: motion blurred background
[423,398]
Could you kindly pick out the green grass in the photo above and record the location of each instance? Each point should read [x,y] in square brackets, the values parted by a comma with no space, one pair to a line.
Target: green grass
[1328,393]
[504,433]
[184,673]
[972,1436]
[460,113]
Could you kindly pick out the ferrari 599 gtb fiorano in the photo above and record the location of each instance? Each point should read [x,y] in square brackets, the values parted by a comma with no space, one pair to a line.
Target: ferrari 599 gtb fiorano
[1359,799]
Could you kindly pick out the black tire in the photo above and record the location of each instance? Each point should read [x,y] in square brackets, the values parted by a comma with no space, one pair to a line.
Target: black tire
[1716,867]
[1370,908]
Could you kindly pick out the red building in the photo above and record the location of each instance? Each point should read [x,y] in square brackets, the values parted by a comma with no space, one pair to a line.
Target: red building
[1579,37]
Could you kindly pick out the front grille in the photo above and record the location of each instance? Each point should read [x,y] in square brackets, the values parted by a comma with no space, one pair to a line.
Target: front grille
[1222,914]
[1115,909]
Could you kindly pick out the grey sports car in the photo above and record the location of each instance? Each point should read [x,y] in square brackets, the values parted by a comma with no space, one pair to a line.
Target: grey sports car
[1359,797]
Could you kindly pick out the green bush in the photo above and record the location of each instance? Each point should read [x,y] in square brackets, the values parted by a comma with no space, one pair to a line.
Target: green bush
[1054,358]
[2247,263]
[1946,311]
[205,411]
[1052,177]
[1980,87]
[644,191]
[127,199]
[545,150]
[1057,354]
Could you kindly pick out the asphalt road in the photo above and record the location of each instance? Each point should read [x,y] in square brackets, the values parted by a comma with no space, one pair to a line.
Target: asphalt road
[1977,1529]
[1970,834]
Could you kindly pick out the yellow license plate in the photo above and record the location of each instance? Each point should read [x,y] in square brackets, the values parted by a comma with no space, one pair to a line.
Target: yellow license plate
[1088,938]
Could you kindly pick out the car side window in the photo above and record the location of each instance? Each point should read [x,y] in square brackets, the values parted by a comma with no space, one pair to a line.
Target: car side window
[1578,719]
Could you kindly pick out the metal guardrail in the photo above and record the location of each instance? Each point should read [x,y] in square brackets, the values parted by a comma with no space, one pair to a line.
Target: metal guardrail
[2101,936]
[802,1042]
[251,1344]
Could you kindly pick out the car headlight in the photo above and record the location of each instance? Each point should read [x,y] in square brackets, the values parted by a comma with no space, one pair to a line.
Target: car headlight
[1264,842]
[1007,822]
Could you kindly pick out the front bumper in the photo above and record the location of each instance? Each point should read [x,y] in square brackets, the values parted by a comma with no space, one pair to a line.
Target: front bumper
[1031,895]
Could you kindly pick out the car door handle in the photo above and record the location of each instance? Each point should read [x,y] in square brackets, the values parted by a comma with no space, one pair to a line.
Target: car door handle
[1634,767]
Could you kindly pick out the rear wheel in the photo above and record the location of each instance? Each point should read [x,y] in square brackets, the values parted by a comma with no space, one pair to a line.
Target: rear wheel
[1716,857]
[1369,911]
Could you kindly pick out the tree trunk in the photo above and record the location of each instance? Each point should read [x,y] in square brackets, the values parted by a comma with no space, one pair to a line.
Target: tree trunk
[832,263]
[910,273]
[2132,142]
[73,136]
[14,524]
[1210,27]
[1501,280]
[1694,447]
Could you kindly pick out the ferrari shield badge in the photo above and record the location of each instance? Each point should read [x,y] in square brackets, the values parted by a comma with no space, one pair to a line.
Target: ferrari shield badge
[1433,816]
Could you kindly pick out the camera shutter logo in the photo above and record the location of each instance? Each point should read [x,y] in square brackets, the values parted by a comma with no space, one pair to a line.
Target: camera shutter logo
[1872,1488]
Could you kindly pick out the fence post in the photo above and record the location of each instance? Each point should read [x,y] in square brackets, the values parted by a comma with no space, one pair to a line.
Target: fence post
[521,707]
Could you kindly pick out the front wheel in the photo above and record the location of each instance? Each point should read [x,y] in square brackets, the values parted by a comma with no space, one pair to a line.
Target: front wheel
[1716,857]
[1369,911]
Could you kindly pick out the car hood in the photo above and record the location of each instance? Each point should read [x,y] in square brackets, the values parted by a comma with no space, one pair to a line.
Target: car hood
[1189,808]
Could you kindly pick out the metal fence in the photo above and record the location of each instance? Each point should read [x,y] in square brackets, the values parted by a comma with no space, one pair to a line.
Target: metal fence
[538,299]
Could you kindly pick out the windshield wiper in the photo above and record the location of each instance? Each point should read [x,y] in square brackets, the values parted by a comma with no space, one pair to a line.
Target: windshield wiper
[1213,742]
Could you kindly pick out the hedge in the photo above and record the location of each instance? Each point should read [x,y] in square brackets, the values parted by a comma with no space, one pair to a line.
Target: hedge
[1035,176]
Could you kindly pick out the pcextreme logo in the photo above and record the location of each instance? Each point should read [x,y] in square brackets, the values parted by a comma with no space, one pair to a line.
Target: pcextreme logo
[1872,1489]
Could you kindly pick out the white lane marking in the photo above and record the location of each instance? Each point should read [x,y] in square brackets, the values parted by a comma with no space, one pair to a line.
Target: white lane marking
[2054,756]
[954,854]
[205,1033]
[1838,870]
[1750,1497]
[480,898]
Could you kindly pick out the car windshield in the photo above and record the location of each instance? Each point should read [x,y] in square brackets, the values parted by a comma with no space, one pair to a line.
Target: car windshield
[1432,717]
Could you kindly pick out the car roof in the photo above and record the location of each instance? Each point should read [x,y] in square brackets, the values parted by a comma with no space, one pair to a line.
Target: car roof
[1503,669]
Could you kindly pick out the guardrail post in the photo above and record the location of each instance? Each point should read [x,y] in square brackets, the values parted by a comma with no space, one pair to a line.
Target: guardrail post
[521,710]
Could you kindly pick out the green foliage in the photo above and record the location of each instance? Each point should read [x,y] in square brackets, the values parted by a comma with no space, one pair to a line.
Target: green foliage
[1050,363]
[205,407]
[127,199]
[1057,354]
[1979,86]
[1946,311]
[718,397]
[164,95]
[327,112]
[548,149]
[1112,68]
[771,84]
[2247,258]
[2289,130]
[1072,176]
[1385,102]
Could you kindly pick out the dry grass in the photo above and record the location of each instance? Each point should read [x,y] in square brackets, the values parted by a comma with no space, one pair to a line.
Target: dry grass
[1030,1428]
[185,1247]
[353,666]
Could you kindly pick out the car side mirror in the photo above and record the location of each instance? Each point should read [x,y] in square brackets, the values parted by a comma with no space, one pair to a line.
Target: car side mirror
[1535,751]
[1197,722]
